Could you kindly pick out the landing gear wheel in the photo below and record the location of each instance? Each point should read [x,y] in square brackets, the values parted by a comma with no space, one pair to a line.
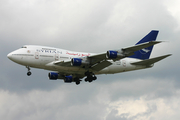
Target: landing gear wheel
[94,78]
[90,80]
[77,82]
[29,73]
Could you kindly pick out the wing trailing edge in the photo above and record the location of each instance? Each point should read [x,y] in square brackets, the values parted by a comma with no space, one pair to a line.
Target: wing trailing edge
[101,65]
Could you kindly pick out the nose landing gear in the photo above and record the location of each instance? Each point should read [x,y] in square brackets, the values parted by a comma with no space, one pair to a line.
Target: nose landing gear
[29,72]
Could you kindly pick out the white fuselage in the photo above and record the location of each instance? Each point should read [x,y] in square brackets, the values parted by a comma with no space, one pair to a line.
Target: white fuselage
[43,57]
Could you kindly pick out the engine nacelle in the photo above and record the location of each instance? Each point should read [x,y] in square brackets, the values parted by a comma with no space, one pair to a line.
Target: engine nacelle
[55,76]
[114,54]
[78,62]
[68,79]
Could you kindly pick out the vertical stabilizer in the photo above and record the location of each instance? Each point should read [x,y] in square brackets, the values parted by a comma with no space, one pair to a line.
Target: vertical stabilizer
[146,52]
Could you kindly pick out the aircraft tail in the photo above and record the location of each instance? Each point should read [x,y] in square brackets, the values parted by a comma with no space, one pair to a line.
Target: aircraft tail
[146,52]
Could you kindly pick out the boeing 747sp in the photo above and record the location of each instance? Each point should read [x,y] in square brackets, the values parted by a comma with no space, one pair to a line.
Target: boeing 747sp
[74,66]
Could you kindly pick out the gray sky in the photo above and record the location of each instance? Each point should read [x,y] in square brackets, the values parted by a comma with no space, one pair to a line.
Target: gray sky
[90,26]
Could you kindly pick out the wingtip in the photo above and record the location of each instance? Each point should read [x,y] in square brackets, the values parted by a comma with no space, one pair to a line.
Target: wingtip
[158,41]
[165,56]
[155,42]
[169,55]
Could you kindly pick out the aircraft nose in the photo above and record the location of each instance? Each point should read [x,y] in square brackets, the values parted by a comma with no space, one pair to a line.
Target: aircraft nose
[9,56]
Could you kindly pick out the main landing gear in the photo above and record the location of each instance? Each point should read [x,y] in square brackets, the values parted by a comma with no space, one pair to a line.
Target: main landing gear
[29,72]
[90,76]
[77,80]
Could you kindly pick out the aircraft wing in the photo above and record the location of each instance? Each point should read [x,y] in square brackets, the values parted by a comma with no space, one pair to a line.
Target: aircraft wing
[125,51]
[131,49]
[65,63]
[100,61]
[101,65]
[150,61]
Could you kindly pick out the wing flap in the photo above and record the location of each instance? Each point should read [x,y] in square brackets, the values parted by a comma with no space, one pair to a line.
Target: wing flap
[101,65]
[151,61]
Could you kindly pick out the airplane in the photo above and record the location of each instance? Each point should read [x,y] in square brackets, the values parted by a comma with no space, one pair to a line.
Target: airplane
[72,66]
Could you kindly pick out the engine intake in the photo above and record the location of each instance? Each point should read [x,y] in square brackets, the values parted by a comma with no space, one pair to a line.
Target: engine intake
[76,62]
[53,76]
[114,54]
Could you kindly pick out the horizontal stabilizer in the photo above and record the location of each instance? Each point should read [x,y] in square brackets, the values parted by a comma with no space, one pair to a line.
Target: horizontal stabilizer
[150,61]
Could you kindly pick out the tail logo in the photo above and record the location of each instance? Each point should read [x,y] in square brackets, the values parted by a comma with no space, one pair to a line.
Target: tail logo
[144,51]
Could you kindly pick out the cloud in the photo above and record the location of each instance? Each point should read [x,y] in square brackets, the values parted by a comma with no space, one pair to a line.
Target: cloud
[65,103]
[145,109]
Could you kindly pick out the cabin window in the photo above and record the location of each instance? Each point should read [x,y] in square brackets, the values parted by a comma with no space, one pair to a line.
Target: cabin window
[23,47]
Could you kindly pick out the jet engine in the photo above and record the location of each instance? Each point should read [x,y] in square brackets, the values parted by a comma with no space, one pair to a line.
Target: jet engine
[114,55]
[54,76]
[68,79]
[78,62]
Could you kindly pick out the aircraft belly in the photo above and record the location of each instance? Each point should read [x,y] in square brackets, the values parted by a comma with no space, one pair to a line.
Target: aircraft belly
[103,71]
[66,69]
[116,69]
[122,66]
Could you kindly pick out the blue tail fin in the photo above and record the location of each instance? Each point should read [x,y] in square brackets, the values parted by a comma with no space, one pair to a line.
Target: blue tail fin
[146,52]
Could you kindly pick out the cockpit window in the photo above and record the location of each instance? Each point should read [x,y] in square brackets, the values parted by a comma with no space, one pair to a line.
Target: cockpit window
[23,47]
